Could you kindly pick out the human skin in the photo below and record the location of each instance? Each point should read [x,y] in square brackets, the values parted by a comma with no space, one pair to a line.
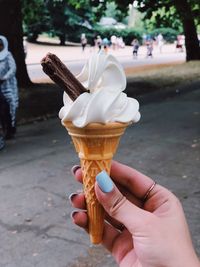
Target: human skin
[156,232]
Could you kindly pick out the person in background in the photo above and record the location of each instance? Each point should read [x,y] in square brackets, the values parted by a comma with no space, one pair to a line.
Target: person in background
[113,40]
[144,225]
[5,120]
[105,43]
[25,47]
[135,44]
[83,41]
[149,46]
[8,89]
[2,142]
[160,42]
[99,42]
[120,42]
[180,42]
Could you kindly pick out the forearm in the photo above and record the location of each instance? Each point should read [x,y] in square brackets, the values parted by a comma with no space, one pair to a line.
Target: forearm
[190,260]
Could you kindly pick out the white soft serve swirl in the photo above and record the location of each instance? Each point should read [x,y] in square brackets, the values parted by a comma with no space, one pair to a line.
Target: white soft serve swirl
[105,78]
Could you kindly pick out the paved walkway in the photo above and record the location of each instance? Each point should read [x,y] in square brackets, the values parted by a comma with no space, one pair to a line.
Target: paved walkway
[35,224]
[35,178]
[74,58]
[73,53]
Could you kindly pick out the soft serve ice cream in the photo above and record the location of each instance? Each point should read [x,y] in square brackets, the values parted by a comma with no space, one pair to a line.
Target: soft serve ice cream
[96,113]
[105,102]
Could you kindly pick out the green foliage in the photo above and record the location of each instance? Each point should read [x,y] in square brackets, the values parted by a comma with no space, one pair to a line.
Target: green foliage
[136,19]
[65,18]
[113,11]
[35,18]
[164,17]
[62,18]
[169,34]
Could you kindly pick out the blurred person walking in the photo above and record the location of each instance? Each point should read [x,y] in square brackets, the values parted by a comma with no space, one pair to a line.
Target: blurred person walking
[135,44]
[149,45]
[120,42]
[180,42]
[83,41]
[105,43]
[113,40]
[160,42]
[8,90]
[99,42]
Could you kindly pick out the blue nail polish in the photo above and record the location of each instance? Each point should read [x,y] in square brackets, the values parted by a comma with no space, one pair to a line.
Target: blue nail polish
[104,182]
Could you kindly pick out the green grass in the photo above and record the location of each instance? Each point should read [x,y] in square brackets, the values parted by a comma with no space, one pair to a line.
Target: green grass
[160,77]
[43,100]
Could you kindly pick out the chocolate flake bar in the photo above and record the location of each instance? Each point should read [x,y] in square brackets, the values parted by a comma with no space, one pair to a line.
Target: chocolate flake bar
[62,76]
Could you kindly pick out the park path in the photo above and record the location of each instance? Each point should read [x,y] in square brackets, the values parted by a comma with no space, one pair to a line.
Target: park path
[74,53]
[74,58]
[35,180]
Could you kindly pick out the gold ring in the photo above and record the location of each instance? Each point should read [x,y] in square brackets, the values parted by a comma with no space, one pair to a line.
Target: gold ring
[149,191]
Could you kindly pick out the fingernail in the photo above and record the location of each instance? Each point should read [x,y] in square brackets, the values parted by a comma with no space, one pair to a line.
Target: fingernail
[74,169]
[71,196]
[104,181]
[73,213]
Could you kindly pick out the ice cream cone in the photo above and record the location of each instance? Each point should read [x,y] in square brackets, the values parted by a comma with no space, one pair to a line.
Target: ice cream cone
[96,145]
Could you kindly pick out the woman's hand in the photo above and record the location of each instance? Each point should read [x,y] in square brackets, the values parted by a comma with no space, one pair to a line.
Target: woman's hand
[150,233]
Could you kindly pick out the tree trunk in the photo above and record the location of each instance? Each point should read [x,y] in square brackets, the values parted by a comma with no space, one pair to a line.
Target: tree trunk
[191,38]
[62,39]
[11,28]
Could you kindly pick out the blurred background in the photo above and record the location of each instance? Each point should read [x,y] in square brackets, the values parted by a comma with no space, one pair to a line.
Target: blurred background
[158,45]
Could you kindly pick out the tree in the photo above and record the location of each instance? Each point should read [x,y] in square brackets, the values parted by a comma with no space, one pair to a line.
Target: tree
[191,39]
[58,18]
[112,11]
[65,19]
[11,27]
[33,12]
[35,18]
[186,10]
[68,19]
[165,17]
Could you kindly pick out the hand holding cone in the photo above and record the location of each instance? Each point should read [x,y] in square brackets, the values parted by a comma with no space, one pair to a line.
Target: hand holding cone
[95,143]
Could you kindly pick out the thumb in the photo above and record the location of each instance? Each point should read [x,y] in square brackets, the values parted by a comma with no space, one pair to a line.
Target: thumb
[116,205]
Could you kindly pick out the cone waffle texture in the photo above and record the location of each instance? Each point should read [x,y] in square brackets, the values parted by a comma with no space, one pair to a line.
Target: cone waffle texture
[95,144]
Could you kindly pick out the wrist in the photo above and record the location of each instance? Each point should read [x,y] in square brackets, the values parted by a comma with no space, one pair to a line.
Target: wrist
[192,261]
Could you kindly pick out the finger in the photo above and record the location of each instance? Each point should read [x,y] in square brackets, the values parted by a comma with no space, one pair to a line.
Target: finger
[136,182]
[130,196]
[78,200]
[109,236]
[119,244]
[139,185]
[116,205]
[116,224]
[76,171]
[159,199]
[80,218]
[122,246]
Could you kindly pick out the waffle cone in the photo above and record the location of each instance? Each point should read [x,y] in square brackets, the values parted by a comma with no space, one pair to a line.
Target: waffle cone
[96,145]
